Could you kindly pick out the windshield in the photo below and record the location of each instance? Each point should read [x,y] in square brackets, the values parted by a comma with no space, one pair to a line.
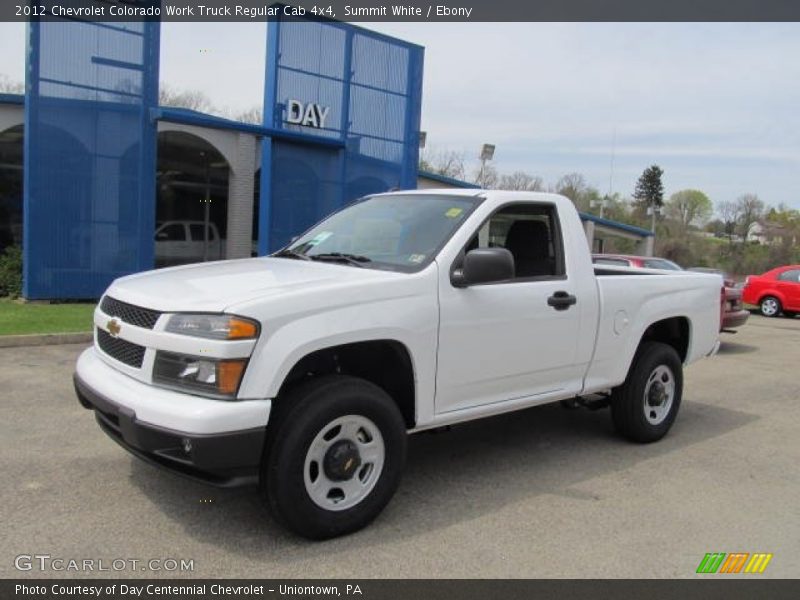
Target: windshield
[660,263]
[396,232]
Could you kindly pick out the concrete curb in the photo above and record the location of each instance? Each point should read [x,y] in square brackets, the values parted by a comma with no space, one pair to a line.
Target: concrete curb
[45,339]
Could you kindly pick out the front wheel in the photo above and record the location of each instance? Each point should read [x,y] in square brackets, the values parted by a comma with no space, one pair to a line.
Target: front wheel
[336,455]
[644,407]
[770,306]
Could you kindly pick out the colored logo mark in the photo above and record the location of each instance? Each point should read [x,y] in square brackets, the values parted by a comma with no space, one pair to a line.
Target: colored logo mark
[736,562]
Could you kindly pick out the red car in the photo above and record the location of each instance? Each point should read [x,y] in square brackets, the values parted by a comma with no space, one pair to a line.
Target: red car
[775,292]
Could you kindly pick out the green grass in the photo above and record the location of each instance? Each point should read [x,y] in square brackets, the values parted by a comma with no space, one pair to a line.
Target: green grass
[17,318]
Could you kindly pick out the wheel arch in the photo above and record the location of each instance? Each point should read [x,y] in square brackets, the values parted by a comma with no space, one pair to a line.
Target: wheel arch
[770,292]
[673,331]
[385,362]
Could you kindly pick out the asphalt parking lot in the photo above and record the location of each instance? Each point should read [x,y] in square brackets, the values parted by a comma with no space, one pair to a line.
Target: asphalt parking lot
[542,493]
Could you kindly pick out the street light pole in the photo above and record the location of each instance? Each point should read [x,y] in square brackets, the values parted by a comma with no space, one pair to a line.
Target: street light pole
[487,153]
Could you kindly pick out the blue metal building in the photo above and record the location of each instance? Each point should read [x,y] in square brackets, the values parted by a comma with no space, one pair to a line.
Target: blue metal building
[341,119]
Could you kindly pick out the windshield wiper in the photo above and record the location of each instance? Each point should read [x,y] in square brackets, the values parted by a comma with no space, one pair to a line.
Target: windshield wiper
[291,254]
[352,259]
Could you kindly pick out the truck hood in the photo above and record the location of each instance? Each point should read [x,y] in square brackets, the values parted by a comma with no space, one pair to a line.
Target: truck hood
[213,287]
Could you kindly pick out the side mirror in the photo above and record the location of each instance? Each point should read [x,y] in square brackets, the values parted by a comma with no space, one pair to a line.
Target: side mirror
[484,265]
[161,236]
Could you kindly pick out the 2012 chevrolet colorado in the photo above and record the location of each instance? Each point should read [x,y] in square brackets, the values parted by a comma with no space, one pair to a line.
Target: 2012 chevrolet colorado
[305,370]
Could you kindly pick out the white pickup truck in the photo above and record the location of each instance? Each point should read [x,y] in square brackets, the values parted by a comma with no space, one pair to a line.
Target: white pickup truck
[403,312]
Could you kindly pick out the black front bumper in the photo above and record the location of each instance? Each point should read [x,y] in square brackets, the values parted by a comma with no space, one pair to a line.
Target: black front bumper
[222,459]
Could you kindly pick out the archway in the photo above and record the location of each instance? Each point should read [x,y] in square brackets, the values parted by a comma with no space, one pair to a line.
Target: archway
[191,189]
[11,181]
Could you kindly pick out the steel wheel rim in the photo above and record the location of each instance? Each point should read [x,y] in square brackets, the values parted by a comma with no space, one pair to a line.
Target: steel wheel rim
[659,394]
[337,494]
[769,307]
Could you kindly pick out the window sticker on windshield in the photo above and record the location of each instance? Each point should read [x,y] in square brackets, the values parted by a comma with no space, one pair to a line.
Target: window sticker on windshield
[452,213]
[416,258]
[319,238]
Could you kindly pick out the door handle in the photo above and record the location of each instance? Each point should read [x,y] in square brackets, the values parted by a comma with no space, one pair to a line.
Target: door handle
[561,300]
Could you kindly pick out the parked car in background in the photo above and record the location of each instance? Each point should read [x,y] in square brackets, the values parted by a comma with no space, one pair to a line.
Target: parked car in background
[639,262]
[733,313]
[775,292]
[182,242]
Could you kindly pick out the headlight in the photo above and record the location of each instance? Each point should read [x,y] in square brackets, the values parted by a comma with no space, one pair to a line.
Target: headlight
[218,378]
[213,327]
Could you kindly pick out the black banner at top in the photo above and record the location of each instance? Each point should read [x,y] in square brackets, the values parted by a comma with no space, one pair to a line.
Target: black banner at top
[421,11]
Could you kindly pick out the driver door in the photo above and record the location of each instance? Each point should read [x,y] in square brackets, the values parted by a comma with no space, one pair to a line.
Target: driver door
[502,341]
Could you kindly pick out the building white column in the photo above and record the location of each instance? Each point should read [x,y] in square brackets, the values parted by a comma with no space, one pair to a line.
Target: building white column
[241,185]
[588,228]
[645,246]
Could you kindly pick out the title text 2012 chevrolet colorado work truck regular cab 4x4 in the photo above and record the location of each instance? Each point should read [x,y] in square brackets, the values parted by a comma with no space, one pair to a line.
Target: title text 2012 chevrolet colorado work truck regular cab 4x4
[406,311]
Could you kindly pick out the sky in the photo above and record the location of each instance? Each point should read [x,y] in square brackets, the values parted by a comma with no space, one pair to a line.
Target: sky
[716,105]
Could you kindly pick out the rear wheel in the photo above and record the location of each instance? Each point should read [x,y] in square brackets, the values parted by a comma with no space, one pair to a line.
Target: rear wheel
[337,451]
[770,306]
[645,406]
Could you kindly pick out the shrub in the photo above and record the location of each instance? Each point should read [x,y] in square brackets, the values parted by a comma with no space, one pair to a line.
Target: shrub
[11,272]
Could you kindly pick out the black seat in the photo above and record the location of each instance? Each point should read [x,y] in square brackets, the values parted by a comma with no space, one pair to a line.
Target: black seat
[529,243]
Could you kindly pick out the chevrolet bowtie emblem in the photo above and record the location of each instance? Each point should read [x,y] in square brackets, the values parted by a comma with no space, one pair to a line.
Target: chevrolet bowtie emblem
[113,327]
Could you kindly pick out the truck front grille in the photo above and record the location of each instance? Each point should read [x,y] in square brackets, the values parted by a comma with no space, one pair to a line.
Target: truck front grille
[128,313]
[122,350]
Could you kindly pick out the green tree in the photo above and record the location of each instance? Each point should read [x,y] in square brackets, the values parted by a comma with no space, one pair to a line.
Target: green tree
[689,207]
[649,188]
[649,193]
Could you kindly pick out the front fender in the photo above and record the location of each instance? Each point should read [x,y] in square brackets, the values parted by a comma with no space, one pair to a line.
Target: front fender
[411,321]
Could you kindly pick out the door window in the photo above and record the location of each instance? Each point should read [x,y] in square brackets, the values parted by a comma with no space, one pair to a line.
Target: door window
[530,233]
[660,263]
[792,275]
[173,232]
[197,232]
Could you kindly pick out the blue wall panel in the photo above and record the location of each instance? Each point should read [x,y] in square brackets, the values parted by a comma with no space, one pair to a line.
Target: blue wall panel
[89,202]
[372,86]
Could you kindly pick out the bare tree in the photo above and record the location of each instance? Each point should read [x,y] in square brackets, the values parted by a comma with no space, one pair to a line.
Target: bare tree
[8,86]
[486,176]
[191,99]
[729,214]
[573,186]
[252,115]
[446,162]
[751,209]
[519,180]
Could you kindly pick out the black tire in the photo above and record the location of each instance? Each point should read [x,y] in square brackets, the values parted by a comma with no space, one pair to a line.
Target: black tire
[770,306]
[298,421]
[634,417]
